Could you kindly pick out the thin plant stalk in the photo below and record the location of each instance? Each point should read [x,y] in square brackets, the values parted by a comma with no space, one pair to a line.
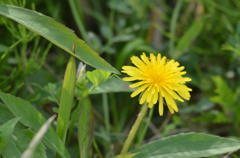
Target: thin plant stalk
[114,111]
[74,119]
[106,112]
[134,129]
[173,25]
[78,20]
[144,129]
[67,96]
[97,149]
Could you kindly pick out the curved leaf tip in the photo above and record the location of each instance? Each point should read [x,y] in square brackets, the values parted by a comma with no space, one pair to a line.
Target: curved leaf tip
[57,33]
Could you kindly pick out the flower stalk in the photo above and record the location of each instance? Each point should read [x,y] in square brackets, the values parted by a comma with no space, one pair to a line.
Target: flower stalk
[134,129]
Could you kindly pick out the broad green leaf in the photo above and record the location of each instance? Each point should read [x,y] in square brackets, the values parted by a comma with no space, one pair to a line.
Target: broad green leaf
[20,139]
[93,76]
[66,99]
[105,74]
[85,128]
[30,117]
[37,138]
[189,145]
[97,76]
[11,151]
[126,155]
[6,132]
[56,33]
[113,84]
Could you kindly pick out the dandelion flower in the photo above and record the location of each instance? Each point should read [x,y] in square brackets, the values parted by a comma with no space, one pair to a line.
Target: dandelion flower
[158,78]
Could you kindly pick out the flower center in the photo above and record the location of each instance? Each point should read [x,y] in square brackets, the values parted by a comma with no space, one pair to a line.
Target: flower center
[156,75]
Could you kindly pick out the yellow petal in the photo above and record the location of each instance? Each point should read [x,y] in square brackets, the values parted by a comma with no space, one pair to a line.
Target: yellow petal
[183,73]
[182,90]
[134,73]
[131,68]
[170,102]
[139,90]
[153,90]
[150,104]
[150,87]
[163,61]
[149,97]
[162,92]
[145,58]
[130,78]
[136,61]
[155,98]
[173,94]
[144,97]
[160,106]
[137,84]
[187,79]
[170,109]
[153,58]
[176,96]
[159,59]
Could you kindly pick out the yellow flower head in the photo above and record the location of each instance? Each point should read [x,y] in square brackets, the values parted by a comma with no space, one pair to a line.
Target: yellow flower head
[158,78]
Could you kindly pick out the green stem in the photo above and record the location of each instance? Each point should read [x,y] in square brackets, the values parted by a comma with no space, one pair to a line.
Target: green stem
[8,50]
[74,119]
[114,111]
[106,112]
[134,129]
[144,130]
[97,149]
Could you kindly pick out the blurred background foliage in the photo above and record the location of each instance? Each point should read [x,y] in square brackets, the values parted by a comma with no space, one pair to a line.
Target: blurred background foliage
[202,35]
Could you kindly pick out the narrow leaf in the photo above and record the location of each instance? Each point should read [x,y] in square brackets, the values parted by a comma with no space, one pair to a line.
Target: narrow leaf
[189,145]
[37,138]
[11,151]
[56,33]
[126,155]
[85,128]
[30,117]
[20,138]
[193,31]
[6,132]
[66,99]
[186,40]
[113,84]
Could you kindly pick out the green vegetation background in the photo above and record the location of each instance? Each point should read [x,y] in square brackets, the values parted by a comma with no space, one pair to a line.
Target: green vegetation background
[202,35]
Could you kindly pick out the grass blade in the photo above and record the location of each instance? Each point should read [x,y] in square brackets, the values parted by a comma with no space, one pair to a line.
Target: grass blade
[85,128]
[32,118]
[37,138]
[57,33]
[66,99]
[6,132]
